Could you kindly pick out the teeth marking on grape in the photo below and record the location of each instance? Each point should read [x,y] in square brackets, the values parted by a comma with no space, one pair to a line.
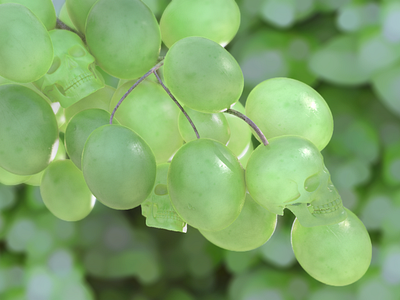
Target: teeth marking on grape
[328,208]
[79,80]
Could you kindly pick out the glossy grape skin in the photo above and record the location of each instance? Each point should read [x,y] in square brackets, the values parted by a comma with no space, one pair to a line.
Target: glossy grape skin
[217,20]
[150,112]
[284,106]
[206,185]
[28,130]
[211,126]
[64,191]
[202,75]
[78,130]
[253,228]
[337,254]
[124,37]
[118,166]
[29,51]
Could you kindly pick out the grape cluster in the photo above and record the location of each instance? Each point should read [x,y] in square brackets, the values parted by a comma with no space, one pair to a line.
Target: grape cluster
[189,162]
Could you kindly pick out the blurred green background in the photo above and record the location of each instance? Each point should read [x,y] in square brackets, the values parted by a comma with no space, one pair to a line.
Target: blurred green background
[350,52]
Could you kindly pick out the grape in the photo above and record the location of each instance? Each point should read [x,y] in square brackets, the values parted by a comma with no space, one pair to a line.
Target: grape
[79,129]
[43,10]
[206,185]
[240,132]
[336,254]
[254,226]
[217,20]
[151,114]
[284,106]
[78,11]
[118,166]
[65,18]
[64,191]
[29,51]
[8,178]
[28,130]
[246,154]
[212,126]
[202,75]
[124,37]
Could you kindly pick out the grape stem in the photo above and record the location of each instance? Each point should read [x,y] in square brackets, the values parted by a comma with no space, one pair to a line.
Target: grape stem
[178,104]
[61,25]
[250,122]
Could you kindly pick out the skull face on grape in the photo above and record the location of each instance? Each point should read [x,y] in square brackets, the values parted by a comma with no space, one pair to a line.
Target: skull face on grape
[290,173]
[72,76]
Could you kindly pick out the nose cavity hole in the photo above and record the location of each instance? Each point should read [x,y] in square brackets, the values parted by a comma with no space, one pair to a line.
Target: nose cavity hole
[77,51]
[161,189]
[55,65]
[312,183]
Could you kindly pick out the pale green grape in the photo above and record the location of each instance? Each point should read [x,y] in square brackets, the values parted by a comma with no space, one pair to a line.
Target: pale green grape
[78,11]
[28,130]
[8,178]
[337,254]
[150,112]
[118,166]
[246,154]
[206,185]
[254,226]
[211,126]
[284,106]
[240,132]
[217,20]
[64,191]
[29,51]
[65,18]
[203,75]
[124,37]
[43,9]
[79,128]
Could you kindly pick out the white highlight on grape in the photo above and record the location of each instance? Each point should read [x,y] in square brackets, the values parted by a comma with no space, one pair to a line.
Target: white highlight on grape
[184,229]
[55,106]
[54,150]
[93,200]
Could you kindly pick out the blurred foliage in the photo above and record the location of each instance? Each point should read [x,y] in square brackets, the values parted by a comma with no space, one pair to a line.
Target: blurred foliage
[350,52]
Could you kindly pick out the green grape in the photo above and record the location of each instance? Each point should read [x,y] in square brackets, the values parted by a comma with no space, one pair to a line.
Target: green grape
[79,129]
[284,106]
[124,36]
[29,51]
[280,13]
[217,20]
[211,126]
[151,114]
[78,11]
[338,254]
[64,191]
[246,154]
[158,209]
[253,228]
[240,132]
[203,75]
[206,185]
[8,178]
[118,166]
[28,130]
[65,18]
[43,9]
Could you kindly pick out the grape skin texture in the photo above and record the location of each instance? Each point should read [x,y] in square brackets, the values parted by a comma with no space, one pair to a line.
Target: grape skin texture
[64,191]
[206,185]
[118,166]
[202,75]
[284,106]
[338,254]
[28,130]
[253,228]
[217,20]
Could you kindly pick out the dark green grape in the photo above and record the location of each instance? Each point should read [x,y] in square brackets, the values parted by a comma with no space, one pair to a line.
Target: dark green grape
[203,75]
[206,185]
[254,226]
[64,191]
[118,166]
[28,130]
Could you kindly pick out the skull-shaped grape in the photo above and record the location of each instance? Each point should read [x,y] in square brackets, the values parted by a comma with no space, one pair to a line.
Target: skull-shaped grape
[158,209]
[290,173]
[72,76]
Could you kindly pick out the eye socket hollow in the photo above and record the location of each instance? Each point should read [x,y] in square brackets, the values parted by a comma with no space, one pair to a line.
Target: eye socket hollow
[161,189]
[77,51]
[312,183]
[55,65]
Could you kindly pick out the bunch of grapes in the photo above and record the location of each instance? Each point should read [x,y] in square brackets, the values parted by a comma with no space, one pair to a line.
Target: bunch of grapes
[172,137]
